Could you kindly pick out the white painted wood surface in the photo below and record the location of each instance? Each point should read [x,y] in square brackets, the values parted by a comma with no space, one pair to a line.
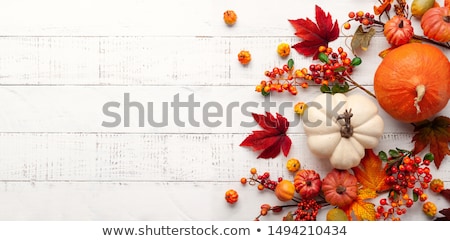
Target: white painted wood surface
[61,61]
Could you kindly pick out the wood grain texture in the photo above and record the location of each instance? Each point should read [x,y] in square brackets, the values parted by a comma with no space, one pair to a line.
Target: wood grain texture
[62,61]
[141,201]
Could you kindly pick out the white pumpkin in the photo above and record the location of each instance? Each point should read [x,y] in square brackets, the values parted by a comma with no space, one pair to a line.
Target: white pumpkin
[341,127]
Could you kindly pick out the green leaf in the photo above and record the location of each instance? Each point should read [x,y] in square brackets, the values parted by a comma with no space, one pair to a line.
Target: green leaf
[415,197]
[339,69]
[336,88]
[356,61]
[340,88]
[264,93]
[290,63]
[394,153]
[429,156]
[383,156]
[325,89]
[323,57]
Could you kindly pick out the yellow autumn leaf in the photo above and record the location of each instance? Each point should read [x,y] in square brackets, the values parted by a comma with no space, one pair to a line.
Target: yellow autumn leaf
[364,210]
[361,209]
[371,173]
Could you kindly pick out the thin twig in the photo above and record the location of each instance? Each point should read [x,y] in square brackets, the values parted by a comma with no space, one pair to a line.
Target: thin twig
[424,39]
[360,86]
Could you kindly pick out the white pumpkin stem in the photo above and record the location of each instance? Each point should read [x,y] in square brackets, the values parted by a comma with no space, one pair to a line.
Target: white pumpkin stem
[347,128]
[420,90]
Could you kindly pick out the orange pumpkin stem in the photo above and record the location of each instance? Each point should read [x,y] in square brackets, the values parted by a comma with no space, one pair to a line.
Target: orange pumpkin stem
[420,90]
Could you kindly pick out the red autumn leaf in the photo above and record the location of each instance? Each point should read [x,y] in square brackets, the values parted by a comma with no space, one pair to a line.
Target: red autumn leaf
[313,34]
[446,213]
[446,194]
[272,139]
[435,133]
[371,173]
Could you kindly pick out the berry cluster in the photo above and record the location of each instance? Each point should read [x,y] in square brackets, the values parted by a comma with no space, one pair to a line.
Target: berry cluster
[335,67]
[264,181]
[307,210]
[364,18]
[405,172]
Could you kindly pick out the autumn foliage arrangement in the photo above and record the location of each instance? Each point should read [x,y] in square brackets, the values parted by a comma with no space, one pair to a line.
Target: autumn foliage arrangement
[411,84]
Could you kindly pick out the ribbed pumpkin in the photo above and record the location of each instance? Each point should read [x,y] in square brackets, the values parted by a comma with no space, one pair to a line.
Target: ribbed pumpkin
[307,183]
[436,24]
[398,30]
[412,82]
[339,187]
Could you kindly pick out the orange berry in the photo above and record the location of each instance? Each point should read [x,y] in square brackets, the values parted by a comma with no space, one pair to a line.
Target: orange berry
[244,57]
[260,187]
[347,25]
[258,88]
[253,171]
[360,13]
[322,49]
[304,85]
[229,17]
[299,74]
[243,180]
[423,197]
[365,21]
[351,14]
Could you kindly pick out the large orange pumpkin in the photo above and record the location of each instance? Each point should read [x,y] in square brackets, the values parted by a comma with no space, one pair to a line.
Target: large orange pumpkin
[340,187]
[412,82]
[436,24]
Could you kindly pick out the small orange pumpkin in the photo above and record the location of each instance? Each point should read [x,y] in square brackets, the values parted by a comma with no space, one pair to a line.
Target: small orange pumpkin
[231,196]
[398,30]
[307,183]
[339,187]
[436,24]
[285,190]
[412,83]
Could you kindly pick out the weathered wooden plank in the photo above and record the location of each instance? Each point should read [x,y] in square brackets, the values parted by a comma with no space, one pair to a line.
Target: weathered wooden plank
[156,61]
[163,18]
[144,201]
[149,109]
[153,157]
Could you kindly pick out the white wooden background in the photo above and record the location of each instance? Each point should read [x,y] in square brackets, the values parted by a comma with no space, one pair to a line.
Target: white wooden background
[60,61]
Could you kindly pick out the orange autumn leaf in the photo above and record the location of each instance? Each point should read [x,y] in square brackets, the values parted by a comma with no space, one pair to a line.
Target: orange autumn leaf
[380,9]
[371,173]
[447,3]
[361,209]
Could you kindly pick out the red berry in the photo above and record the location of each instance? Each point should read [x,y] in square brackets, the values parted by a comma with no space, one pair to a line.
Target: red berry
[417,160]
[383,201]
[409,203]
